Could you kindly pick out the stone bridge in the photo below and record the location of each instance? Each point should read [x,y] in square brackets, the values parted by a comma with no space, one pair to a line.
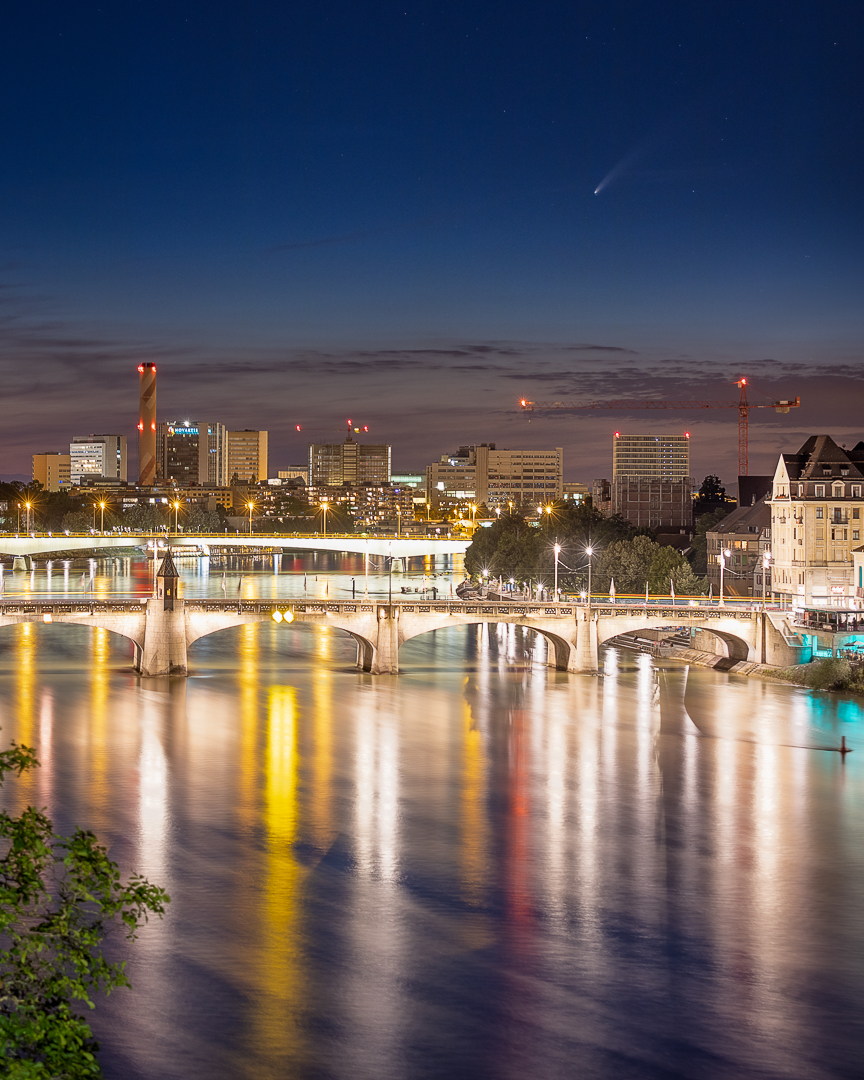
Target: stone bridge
[575,632]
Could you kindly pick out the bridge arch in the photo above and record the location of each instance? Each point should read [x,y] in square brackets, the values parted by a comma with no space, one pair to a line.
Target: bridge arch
[725,631]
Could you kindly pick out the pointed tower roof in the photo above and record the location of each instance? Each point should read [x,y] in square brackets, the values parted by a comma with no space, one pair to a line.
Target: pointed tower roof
[168,569]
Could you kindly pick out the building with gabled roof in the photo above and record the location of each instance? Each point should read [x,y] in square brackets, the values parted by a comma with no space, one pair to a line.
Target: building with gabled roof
[817,514]
[746,535]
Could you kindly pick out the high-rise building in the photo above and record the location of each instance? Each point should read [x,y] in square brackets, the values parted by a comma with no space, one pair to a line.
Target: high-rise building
[95,457]
[192,452]
[651,483]
[247,456]
[488,475]
[817,517]
[664,457]
[147,462]
[332,464]
[51,470]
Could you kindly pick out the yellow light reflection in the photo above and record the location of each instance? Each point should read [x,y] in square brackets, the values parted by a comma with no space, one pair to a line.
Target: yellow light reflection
[98,727]
[26,650]
[281,961]
[475,842]
[247,808]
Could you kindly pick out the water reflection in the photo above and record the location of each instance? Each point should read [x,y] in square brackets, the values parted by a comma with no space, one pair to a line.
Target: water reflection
[481,867]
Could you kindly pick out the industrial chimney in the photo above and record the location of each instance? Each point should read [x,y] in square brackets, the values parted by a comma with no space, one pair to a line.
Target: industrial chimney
[147,425]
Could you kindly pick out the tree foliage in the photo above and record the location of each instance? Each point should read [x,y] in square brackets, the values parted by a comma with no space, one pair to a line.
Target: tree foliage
[514,548]
[640,562]
[58,898]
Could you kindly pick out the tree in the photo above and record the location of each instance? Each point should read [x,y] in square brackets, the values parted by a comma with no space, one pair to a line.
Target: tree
[58,898]
[670,567]
[628,562]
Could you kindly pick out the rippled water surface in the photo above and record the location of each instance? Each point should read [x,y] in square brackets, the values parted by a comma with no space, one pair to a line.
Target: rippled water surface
[478,868]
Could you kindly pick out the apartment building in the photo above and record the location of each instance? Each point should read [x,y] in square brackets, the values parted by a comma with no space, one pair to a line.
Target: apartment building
[817,510]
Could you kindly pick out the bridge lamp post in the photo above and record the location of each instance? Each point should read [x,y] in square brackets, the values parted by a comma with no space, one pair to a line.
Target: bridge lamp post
[589,551]
[250,506]
[176,505]
[722,557]
[324,508]
[28,505]
[102,521]
[557,550]
[473,518]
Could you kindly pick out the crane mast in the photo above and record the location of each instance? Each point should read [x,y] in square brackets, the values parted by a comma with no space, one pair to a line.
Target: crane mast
[742,405]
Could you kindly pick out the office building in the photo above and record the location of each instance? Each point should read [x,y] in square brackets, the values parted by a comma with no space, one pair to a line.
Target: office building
[294,472]
[817,510]
[333,464]
[485,474]
[663,457]
[247,457]
[95,457]
[191,452]
[651,484]
[52,470]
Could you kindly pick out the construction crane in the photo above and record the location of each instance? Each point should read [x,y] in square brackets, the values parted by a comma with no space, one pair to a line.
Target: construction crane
[742,405]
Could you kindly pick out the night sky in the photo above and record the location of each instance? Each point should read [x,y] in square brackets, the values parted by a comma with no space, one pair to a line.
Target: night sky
[304,211]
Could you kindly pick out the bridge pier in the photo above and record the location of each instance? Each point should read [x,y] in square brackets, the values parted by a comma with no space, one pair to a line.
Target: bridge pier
[22,562]
[385,658]
[164,651]
[586,654]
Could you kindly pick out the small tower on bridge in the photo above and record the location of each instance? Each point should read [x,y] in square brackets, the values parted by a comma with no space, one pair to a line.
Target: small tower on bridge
[167,579]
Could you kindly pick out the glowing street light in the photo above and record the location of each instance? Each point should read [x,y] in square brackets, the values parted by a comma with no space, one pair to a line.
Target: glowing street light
[557,550]
[589,551]
[324,508]
[473,518]
[102,520]
[28,505]
[250,506]
[722,557]
[176,505]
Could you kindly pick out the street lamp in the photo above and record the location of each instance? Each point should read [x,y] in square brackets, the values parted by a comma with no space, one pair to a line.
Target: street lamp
[398,521]
[102,520]
[473,518]
[176,505]
[557,550]
[324,514]
[589,551]
[250,506]
[722,557]
[28,505]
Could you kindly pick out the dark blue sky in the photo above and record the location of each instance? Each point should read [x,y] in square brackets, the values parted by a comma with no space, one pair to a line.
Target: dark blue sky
[305,211]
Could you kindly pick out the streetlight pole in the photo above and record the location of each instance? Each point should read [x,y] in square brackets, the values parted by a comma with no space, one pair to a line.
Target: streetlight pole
[722,557]
[557,550]
[589,551]
[398,522]
[176,514]
[324,514]
[28,505]
[250,506]
[102,520]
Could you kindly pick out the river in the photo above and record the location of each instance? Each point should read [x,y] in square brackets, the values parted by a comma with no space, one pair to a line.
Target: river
[480,867]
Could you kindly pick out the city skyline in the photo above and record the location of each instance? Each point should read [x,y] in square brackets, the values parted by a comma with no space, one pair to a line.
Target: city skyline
[417,215]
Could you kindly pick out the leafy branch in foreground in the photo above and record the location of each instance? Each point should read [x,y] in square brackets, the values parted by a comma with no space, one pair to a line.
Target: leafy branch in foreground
[59,896]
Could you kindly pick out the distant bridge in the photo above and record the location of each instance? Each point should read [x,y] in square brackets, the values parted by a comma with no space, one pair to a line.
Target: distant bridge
[26,548]
[575,632]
